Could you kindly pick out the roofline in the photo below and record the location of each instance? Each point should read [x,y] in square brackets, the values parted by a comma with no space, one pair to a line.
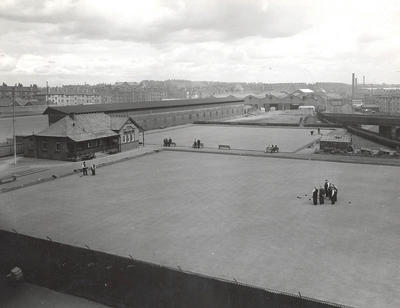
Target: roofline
[133,107]
[134,122]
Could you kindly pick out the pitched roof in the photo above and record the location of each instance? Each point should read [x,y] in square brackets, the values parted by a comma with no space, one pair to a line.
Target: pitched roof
[77,109]
[81,127]
[118,122]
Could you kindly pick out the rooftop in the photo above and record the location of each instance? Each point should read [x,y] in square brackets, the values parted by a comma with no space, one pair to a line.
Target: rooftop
[139,105]
[81,127]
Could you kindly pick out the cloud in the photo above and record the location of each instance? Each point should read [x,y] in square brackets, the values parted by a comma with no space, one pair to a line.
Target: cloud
[7,63]
[154,20]
[103,41]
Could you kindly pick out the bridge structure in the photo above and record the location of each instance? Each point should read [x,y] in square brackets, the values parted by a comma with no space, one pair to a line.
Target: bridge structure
[389,125]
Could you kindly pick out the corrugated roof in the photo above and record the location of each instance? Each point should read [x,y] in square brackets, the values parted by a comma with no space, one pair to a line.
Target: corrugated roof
[81,127]
[77,109]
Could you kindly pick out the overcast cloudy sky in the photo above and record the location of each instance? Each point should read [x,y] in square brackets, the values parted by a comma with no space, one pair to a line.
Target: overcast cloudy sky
[77,41]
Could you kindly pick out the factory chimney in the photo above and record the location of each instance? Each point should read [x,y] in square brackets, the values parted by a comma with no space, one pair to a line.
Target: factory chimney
[352,85]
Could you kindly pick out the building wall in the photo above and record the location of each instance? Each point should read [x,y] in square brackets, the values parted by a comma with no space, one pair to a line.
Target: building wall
[34,147]
[129,137]
[389,104]
[73,99]
[129,145]
[164,118]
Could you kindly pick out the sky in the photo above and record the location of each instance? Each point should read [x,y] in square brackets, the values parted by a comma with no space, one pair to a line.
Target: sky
[104,41]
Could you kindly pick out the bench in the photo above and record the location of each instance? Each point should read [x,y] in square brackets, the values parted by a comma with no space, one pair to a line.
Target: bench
[224,147]
[173,144]
[195,146]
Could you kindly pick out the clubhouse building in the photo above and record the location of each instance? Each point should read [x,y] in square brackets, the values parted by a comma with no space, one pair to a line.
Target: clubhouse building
[80,131]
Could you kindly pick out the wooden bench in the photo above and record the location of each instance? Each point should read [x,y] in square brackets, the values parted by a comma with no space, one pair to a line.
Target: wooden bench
[224,147]
[173,144]
[195,146]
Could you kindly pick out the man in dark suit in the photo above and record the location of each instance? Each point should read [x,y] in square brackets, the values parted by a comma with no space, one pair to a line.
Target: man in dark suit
[315,195]
[326,185]
[321,194]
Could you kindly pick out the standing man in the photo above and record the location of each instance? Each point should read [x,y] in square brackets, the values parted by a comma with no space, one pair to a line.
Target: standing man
[93,169]
[169,141]
[329,190]
[198,143]
[326,185]
[315,195]
[333,194]
[84,168]
[321,194]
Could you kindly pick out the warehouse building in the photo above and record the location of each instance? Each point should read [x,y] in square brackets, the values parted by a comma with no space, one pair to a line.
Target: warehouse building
[159,114]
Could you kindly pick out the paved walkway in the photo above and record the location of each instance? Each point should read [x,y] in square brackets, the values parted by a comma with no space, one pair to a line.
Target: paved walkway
[44,171]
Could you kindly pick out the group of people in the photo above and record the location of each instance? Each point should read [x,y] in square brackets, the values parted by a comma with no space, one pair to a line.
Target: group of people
[273,148]
[167,142]
[85,169]
[328,190]
[196,143]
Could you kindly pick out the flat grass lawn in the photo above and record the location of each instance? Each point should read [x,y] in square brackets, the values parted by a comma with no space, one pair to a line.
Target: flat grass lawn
[238,217]
[238,137]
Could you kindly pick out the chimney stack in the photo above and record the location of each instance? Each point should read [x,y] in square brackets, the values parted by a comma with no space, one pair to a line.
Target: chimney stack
[352,85]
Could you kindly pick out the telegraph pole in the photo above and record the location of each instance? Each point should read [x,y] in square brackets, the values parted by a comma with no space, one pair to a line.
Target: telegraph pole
[14,138]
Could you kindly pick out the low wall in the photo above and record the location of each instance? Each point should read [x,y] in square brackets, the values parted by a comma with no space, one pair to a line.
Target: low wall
[246,123]
[125,282]
[373,137]
[7,149]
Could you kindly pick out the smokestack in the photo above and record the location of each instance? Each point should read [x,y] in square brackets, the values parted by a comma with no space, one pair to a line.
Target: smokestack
[355,87]
[363,80]
[352,85]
